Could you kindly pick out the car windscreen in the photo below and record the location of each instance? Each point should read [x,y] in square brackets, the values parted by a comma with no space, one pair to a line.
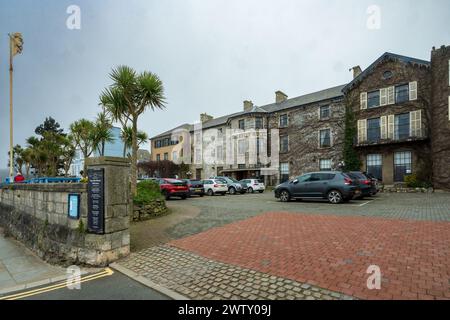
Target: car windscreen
[357,175]
[176,182]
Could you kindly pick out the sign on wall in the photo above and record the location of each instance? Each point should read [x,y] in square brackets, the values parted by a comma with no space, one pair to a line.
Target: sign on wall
[74,206]
[96,201]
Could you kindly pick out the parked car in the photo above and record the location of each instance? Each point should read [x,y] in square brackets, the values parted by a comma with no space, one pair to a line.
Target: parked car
[173,188]
[215,186]
[364,183]
[196,187]
[375,181]
[334,186]
[234,186]
[254,185]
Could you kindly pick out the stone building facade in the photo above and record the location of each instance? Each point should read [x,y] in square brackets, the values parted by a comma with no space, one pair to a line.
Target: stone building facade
[440,116]
[391,102]
[402,110]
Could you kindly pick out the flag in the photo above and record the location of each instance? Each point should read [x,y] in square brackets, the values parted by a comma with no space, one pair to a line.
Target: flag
[17,43]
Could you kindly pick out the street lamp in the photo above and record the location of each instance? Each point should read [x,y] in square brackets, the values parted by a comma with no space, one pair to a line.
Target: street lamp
[15,47]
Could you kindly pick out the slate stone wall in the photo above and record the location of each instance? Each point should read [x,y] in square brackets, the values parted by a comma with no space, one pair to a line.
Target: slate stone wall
[37,215]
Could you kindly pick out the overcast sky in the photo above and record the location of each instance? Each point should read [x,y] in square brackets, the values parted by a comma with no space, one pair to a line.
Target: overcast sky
[210,54]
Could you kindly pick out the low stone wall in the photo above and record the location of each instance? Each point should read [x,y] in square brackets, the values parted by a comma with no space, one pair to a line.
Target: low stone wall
[403,189]
[37,215]
[145,212]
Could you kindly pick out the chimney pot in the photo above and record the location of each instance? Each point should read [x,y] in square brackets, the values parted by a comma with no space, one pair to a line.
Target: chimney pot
[248,105]
[280,96]
[204,117]
[356,71]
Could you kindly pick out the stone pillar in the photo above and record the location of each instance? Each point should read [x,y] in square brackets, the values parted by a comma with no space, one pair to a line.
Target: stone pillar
[117,205]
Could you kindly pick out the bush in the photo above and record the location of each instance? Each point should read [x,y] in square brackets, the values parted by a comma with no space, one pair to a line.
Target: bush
[412,181]
[147,192]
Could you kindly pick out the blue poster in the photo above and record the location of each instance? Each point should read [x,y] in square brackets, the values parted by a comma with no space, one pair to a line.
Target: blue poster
[74,206]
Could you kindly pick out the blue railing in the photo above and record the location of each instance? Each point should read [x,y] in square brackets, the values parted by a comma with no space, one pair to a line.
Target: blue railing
[46,180]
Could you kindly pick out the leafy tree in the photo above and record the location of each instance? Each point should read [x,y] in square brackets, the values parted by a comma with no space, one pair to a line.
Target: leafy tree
[49,125]
[67,153]
[130,95]
[84,138]
[102,132]
[127,137]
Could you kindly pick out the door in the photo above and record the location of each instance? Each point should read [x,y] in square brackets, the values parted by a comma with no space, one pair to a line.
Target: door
[315,185]
[298,187]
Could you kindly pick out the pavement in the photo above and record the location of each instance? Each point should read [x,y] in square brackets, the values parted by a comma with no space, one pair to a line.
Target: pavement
[254,247]
[21,268]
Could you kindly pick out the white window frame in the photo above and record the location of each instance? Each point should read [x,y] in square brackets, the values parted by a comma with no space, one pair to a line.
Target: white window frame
[363,100]
[331,138]
[328,168]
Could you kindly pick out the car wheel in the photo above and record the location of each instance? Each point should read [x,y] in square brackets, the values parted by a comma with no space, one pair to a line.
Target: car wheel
[210,192]
[334,197]
[166,195]
[202,195]
[184,197]
[250,190]
[285,196]
[232,190]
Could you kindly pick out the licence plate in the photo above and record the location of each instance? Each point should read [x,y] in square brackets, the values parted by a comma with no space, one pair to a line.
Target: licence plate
[358,192]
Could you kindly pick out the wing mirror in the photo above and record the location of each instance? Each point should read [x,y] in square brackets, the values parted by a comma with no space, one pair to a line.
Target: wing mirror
[294,181]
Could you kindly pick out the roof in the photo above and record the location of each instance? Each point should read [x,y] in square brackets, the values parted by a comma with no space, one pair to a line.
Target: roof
[186,126]
[314,97]
[384,57]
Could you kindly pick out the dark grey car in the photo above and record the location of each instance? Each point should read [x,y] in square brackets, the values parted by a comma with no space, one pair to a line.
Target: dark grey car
[334,186]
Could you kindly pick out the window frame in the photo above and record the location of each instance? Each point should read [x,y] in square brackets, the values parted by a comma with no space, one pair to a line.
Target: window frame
[328,110]
[242,121]
[322,146]
[370,130]
[284,116]
[369,99]
[396,93]
[407,134]
[327,168]
[281,144]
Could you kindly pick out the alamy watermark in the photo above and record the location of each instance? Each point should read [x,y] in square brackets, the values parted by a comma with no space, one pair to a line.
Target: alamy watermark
[73,281]
[73,22]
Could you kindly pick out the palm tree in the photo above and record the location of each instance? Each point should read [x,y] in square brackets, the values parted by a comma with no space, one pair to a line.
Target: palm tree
[129,96]
[67,153]
[84,137]
[126,136]
[103,133]
[27,159]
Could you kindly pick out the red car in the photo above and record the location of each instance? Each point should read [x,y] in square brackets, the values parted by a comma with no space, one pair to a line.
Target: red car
[173,188]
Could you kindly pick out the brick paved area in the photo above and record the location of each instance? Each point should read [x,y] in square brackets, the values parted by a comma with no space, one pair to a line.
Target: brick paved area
[200,278]
[334,252]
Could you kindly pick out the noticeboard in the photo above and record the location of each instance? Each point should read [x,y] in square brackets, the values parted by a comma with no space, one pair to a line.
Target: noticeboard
[96,201]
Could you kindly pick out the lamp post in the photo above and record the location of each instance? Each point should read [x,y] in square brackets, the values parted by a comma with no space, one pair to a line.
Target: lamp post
[15,47]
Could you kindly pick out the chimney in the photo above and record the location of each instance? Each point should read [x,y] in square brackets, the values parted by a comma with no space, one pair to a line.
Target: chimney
[280,97]
[356,71]
[248,105]
[204,117]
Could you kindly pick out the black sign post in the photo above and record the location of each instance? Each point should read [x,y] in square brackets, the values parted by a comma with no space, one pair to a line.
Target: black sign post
[96,201]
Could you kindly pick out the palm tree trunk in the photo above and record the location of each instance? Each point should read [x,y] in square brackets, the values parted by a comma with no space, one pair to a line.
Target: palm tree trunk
[134,148]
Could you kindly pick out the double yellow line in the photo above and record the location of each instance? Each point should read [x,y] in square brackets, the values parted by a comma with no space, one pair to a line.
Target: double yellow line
[105,273]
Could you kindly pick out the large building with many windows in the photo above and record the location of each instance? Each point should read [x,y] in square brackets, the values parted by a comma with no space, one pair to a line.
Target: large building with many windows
[401,107]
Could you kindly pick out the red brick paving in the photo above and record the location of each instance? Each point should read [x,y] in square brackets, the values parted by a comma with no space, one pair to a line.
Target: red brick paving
[334,252]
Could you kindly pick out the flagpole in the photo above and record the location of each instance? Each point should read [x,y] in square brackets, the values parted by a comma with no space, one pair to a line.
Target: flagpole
[11,156]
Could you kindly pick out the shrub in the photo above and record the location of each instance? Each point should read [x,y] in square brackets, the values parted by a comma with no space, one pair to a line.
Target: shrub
[413,181]
[147,192]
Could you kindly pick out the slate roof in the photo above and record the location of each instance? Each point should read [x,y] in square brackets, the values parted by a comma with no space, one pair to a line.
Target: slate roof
[315,97]
[385,56]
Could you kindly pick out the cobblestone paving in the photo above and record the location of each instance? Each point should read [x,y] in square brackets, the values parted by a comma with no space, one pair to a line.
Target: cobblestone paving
[334,252]
[199,278]
[219,211]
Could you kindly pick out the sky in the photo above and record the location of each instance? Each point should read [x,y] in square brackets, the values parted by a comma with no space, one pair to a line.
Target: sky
[210,54]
